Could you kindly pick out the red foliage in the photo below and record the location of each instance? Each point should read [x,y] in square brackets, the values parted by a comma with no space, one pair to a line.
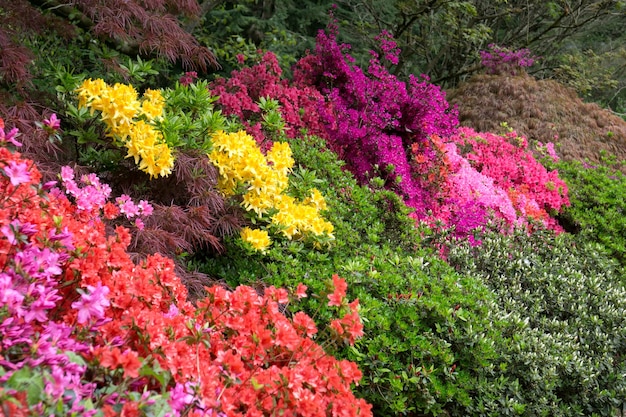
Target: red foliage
[152,26]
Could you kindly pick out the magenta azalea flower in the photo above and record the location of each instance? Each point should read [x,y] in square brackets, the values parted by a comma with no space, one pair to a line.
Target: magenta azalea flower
[17,172]
[53,123]
[92,303]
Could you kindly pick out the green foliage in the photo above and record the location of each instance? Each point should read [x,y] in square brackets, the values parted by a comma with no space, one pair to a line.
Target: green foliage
[590,74]
[427,330]
[564,315]
[62,64]
[190,117]
[238,29]
[598,204]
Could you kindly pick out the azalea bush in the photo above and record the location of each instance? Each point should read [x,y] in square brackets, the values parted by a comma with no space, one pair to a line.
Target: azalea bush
[240,94]
[500,60]
[130,122]
[373,120]
[406,134]
[86,330]
[500,173]
[265,181]
[427,329]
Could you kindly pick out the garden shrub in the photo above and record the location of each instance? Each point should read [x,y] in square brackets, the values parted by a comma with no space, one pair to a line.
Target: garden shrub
[264,179]
[86,331]
[240,95]
[165,135]
[597,204]
[519,181]
[564,312]
[407,134]
[373,119]
[427,328]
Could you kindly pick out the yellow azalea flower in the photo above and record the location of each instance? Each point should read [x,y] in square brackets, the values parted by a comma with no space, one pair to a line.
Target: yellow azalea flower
[260,204]
[153,104]
[119,106]
[164,160]
[316,200]
[241,162]
[259,239]
[287,223]
[90,89]
[318,226]
[280,156]
[252,166]
[258,186]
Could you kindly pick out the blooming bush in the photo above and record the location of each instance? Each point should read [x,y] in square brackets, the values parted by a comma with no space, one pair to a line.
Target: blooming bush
[408,136]
[533,191]
[119,108]
[427,329]
[84,330]
[373,119]
[239,96]
[264,180]
[498,59]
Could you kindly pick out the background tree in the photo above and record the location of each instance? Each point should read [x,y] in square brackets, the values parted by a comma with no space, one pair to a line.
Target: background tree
[240,28]
[442,38]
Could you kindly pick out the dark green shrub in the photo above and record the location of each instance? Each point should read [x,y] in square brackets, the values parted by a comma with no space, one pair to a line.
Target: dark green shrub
[598,204]
[427,328]
[564,337]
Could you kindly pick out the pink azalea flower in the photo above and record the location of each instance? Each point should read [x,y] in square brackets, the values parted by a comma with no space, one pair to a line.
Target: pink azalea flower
[17,172]
[181,396]
[53,123]
[139,224]
[10,137]
[188,78]
[67,174]
[551,152]
[92,303]
[9,297]
[145,207]
[127,207]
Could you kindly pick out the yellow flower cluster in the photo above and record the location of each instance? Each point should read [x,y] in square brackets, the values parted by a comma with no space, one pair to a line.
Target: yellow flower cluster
[259,239]
[264,179]
[129,120]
